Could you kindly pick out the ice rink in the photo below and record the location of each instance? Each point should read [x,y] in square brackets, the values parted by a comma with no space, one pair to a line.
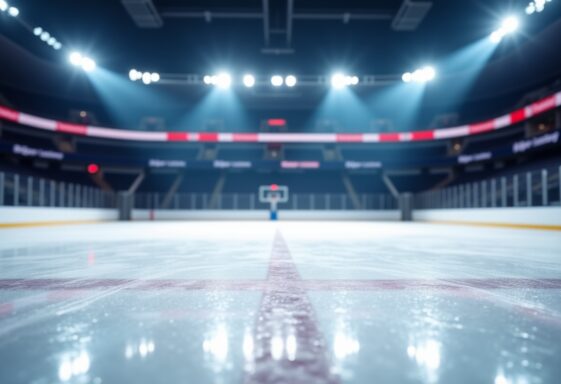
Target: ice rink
[285,302]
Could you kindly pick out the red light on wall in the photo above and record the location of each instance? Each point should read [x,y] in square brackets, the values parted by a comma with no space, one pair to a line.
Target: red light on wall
[93,169]
[276,122]
[274,187]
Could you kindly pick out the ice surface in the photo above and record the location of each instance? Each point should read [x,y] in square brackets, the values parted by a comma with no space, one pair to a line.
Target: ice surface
[286,302]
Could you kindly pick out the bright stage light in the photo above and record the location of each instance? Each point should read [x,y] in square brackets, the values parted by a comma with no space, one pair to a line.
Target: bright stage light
[13,11]
[78,60]
[497,36]
[223,80]
[135,75]
[536,6]
[339,80]
[45,36]
[428,73]
[88,64]
[57,46]
[249,80]
[277,81]
[75,58]
[208,80]
[146,78]
[3,6]
[155,77]
[290,81]
[37,31]
[510,24]
[51,41]
[421,75]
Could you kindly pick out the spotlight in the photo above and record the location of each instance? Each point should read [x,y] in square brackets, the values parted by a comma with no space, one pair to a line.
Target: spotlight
[536,6]
[155,77]
[428,73]
[223,80]
[277,81]
[249,80]
[57,46]
[146,78]
[78,60]
[290,81]
[510,24]
[338,81]
[208,80]
[37,31]
[3,6]
[496,36]
[75,58]
[421,75]
[51,41]
[134,75]
[88,64]
[13,11]
[45,36]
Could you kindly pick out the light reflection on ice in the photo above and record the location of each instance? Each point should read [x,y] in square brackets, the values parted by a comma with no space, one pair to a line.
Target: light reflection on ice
[71,366]
[345,345]
[291,346]
[217,344]
[248,345]
[277,347]
[427,355]
[142,348]
[502,378]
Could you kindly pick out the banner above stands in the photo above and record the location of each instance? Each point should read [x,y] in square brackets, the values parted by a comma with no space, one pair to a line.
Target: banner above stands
[545,141]
[531,110]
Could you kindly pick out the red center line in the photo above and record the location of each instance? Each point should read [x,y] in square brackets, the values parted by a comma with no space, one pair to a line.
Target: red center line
[289,347]
[261,285]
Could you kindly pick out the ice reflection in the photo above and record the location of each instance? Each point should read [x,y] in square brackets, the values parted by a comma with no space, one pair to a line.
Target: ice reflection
[248,346]
[427,354]
[217,344]
[284,347]
[501,378]
[291,347]
[277,347]
[345,345]
[142,348]
[73,365]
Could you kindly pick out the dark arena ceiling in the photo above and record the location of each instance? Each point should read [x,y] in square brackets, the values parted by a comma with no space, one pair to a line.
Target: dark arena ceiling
[311,39]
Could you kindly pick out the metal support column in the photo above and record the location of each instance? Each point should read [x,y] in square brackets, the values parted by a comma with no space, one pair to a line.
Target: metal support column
[529,194]
[16,190]
[29,191]
[545,200]
[515,190]
[61,197]
[503,192]
[2,184]
[41,192]
[494,193]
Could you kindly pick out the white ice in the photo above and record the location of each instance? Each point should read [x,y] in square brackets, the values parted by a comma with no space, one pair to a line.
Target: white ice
[402,332]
